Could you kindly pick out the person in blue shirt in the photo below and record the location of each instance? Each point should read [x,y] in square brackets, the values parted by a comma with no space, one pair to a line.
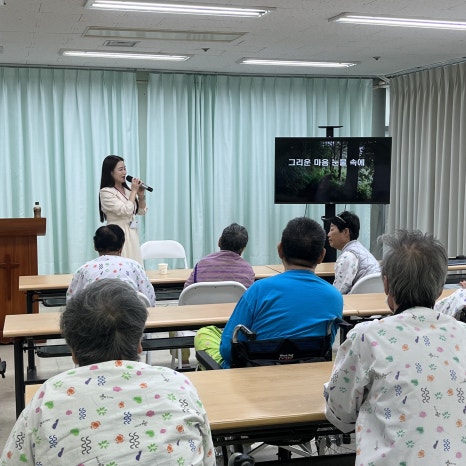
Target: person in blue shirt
[290,304]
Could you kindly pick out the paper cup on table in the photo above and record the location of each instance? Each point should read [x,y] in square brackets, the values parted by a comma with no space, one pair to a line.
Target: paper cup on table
[163,268]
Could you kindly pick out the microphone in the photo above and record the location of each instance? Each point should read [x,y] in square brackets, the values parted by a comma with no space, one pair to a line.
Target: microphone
[143,185]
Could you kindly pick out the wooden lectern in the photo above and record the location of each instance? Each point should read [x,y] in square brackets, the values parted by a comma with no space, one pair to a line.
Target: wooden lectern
[18,256]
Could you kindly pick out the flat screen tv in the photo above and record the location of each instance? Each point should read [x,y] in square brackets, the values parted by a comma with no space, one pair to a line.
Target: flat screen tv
[352,170]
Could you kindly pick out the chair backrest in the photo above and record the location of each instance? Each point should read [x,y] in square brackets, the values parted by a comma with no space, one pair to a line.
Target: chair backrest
[145,300]
[369,284]
[252,352]
[211,293]
[164,249]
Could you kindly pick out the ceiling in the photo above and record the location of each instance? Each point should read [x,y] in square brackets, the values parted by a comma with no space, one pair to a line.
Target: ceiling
[32,33]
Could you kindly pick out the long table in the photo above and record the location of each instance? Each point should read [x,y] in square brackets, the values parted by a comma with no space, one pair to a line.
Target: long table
[43,287]
[265,404]
[293,393]
[252,394]
[24,328]
[370,304]
[55,285]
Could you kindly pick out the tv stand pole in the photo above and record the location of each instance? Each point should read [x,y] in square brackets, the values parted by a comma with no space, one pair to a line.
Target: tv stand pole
[331,255]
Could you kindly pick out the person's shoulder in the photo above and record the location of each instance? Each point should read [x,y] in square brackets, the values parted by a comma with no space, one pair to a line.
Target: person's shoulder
[88,264]
[132,262]
[244,261]
[460,293]
[211,256]
[345,255]
[168,375]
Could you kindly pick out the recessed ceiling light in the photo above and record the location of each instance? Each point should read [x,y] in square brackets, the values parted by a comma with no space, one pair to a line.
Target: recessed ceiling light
[382,20]
[304,63]
[180,8]
[120,43]
[125,55]
[162,34]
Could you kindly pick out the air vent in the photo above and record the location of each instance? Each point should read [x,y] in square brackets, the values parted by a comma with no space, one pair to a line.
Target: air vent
[120,43]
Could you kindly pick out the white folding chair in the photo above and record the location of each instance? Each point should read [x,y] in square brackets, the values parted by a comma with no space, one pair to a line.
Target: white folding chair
[145,300]
[212,292]
[164,249]
[207,293]
[371,283]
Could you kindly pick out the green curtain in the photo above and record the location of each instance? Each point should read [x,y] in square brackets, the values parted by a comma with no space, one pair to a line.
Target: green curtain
[206,144]
[210,153]
[56,127]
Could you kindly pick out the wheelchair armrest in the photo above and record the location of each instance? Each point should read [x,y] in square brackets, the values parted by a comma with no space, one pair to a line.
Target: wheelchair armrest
[343,324]
[206,361]
[250,335]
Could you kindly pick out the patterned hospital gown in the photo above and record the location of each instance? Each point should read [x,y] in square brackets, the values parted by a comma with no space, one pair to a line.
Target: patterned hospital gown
[113,413]
[452,304]
[109,266]
[400,383]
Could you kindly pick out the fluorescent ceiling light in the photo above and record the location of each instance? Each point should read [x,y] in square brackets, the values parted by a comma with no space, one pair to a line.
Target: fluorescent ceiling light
[381,20]
[125,55]
[162,34]
[180,8]
[311,64]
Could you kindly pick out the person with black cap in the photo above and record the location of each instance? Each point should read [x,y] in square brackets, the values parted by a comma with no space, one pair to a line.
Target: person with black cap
[355,261]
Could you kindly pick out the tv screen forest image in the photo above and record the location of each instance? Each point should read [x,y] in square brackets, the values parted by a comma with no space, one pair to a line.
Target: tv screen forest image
[332,170]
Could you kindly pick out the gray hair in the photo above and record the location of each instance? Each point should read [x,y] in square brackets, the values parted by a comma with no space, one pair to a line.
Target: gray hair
[234,238]
[416,266]
[104,322]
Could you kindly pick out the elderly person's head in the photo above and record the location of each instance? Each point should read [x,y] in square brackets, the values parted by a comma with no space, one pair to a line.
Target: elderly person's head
[302,243]
[234,238]
[109,239]
[414,269]
[104,322]
[344,228]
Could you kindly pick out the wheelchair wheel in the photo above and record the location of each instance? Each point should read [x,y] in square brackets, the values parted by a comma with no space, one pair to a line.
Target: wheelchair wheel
[334,444]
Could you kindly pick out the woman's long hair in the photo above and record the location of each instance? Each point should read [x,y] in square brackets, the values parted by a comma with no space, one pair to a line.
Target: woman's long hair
[107,181]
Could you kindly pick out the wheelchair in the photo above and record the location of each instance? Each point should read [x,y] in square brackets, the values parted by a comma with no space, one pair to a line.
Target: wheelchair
[247,351]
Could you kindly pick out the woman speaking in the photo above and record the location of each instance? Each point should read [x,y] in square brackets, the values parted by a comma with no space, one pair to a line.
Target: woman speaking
[119,203]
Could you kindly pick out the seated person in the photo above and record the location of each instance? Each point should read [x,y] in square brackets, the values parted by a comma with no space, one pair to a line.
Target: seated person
[111,409]
[226,264]
[453,304]
[287,304]
[355,261]
[108,242]
[398,382]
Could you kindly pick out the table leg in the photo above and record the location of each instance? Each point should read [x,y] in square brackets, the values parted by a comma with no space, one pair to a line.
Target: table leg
[19,375]
[31,356]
